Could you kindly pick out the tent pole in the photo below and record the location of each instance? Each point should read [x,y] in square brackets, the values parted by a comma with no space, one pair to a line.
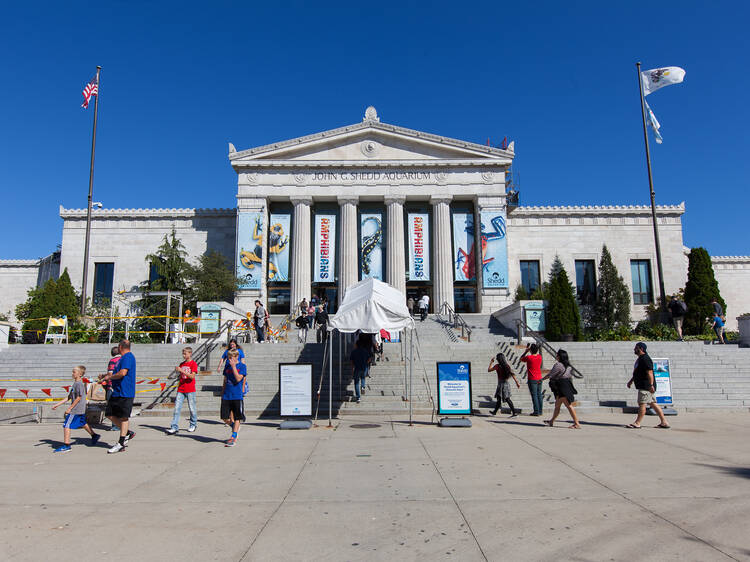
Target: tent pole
[339,338]
[330,381]
[411,376]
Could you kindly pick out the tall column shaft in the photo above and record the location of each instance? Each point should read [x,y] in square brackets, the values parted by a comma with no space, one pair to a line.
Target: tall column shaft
[442,243]
[301,277]
[349,250]
[396,268]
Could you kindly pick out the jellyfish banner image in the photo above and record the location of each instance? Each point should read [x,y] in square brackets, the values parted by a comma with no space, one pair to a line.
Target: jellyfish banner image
[494,250]
[250,242]
[371,246]
[278,246]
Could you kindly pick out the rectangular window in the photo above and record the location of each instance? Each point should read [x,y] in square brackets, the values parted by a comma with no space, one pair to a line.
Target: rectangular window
[104,274]
[641,273]
[530,275]
[586,281]
[153,274]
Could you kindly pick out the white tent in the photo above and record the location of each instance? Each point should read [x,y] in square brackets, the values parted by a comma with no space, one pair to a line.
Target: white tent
[370,306]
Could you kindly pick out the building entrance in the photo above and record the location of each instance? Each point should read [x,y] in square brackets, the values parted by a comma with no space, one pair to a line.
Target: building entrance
[327,291]
[415,291]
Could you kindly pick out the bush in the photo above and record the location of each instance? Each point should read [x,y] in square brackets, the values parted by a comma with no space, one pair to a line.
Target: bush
[700,288]
[612,306]
[563,317]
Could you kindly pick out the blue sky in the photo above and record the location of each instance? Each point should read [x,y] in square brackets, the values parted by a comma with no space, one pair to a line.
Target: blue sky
[180,80]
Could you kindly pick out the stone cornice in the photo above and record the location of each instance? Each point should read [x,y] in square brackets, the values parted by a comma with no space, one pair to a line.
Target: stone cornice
[145,213]
[373,125]
[433,163]
[19,263]
[559,210]
[730,259]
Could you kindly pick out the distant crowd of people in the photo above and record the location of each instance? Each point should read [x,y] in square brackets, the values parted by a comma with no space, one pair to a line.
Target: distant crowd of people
[312,315]
[678,309]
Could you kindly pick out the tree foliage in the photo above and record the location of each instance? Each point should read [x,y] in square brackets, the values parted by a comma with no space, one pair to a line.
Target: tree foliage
[700,288]
[612,305]
[55,298]
[563,316]
[212,279]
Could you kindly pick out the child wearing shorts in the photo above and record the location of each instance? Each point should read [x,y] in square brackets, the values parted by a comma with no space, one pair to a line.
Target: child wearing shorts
[75,415]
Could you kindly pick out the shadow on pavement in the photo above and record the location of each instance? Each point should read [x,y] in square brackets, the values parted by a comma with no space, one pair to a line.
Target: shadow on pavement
[738,471]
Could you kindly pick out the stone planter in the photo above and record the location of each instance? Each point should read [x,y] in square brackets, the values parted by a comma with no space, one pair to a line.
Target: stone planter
[743,323]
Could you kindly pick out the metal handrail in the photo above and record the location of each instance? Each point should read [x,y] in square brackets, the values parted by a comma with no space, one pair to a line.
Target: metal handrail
[203,351]
[456,320]
[543,343]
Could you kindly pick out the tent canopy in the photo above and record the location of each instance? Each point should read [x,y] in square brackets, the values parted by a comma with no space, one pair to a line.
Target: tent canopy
[370,306]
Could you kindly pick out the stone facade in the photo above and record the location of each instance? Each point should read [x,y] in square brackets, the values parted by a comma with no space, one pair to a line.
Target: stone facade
[733,276]
[16,278]
[126,236]
[353,169]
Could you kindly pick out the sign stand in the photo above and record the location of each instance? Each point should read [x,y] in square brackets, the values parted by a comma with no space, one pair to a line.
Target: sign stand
[454,393]
[295,395]
[663,394]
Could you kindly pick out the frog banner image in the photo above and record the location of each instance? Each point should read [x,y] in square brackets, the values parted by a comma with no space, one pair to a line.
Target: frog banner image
[278,246]
[250,243]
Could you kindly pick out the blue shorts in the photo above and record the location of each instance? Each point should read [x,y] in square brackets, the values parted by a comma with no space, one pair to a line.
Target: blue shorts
[74,421]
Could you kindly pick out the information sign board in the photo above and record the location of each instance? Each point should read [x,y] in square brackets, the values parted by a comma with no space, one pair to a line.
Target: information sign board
[454,388]
[663,380]
[295,389]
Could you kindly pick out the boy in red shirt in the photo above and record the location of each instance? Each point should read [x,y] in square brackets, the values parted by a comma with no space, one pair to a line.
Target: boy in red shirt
[187,369]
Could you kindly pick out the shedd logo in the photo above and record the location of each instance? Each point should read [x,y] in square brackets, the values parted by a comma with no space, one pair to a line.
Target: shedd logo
[462,369]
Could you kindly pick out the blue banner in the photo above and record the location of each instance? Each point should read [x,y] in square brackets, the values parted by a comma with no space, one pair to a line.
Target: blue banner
[371,246]
[494,250]
[454,388]
[464,257]
[250,242]
[279,229]
[324,252]
[419,246]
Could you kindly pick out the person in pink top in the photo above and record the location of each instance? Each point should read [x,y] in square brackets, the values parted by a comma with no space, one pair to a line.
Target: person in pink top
[533,359]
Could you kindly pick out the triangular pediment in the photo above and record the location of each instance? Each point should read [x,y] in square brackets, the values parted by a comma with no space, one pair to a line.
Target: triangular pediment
[370,141]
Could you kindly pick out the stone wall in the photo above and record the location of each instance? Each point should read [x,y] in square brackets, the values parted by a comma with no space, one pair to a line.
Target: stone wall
[16,278]
[578,233]
[126,236]
[733,275]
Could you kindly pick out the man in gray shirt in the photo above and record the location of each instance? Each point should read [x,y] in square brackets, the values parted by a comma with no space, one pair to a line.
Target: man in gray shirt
[260,321]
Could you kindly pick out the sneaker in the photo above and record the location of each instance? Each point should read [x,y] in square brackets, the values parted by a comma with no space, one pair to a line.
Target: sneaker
[114,428]
[191,428]
[362,391]
[62,449]
[129,436]
[230,442]
[170,431]
[358,400]
[514,414]
[116,449]
[95,439]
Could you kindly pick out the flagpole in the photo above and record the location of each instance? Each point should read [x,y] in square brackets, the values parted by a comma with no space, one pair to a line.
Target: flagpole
[88,210]
[662,293]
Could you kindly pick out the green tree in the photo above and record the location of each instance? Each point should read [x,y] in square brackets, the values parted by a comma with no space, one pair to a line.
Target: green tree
[612,306]
[212,279]
[700,288]
[54,298]
[563,316]
[521,294]
[172,268]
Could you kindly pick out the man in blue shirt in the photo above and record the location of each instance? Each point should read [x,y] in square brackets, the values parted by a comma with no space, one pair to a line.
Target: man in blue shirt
[120,403]
[232,403]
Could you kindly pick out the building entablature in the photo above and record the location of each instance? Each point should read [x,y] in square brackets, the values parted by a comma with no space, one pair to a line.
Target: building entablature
[145,213]
[597,210]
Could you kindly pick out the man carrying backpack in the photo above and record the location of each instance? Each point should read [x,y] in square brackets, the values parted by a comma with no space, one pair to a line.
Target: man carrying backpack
[678,309]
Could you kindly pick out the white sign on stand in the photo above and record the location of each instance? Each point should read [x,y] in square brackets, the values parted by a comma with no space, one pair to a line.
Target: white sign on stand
[663,381]
[295,389]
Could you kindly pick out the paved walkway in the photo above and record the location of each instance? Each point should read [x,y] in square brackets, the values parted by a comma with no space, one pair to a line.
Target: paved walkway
[377,489]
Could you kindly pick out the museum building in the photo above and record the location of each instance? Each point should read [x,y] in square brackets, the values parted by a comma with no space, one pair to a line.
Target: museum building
[425,213]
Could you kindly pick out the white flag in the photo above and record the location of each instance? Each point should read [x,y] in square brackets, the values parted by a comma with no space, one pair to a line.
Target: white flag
[654,124]
[659,77]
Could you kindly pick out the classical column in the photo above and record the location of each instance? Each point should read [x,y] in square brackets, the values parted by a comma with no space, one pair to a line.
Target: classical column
[395,268]
[441,241]
[349,249]
[301,252]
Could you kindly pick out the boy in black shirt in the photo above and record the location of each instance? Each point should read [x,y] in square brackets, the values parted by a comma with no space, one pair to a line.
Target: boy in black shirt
[643,377]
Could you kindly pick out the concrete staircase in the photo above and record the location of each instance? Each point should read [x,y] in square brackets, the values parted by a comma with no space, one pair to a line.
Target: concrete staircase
[703,376]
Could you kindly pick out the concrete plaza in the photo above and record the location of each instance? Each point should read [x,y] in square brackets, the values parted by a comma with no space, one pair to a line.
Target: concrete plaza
[374,488]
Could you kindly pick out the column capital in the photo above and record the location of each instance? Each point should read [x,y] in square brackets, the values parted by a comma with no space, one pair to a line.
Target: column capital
[348,199]
[399,199]
[301,200]
[437,199]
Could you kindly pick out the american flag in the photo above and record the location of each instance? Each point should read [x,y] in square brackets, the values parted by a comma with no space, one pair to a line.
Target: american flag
[91,89]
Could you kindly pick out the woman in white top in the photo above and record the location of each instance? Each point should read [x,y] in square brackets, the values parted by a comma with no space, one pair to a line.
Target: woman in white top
[561,384]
